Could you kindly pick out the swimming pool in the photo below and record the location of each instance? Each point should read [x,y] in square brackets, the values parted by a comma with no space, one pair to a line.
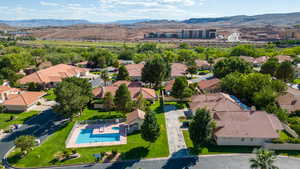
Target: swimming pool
[87,136]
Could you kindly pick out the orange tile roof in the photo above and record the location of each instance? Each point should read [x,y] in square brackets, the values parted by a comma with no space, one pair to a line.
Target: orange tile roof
[52,74]
[169,85]
[134,70]
[283,58]
[24,99]
[128,83]
[134,91]
[290,100]
[4,88]
[136,114]
[204,84]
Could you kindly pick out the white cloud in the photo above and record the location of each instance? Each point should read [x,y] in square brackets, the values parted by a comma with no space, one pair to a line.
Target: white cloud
[43,3]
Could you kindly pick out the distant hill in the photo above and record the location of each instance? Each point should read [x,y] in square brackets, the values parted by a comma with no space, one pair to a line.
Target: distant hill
[125,22]
[288,19]
[43,22]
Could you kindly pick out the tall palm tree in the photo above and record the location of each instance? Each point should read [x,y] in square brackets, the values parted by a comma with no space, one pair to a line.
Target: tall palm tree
[264,159]
[105,77]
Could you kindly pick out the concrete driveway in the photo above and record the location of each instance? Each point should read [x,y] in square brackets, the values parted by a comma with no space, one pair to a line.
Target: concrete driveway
[177,146]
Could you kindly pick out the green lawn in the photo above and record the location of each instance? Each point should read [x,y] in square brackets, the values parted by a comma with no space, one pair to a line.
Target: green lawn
[297,81]
[135,148]
[178,105]
[215,149]
[105,44]
[18,118]
[50,95]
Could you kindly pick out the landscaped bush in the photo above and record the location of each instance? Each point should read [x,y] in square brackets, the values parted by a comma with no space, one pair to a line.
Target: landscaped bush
[296,128]
[278,141]
[293,140]
[293,120]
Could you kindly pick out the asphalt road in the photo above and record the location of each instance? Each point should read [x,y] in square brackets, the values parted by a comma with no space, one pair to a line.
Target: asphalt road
[40,126]
[204,162]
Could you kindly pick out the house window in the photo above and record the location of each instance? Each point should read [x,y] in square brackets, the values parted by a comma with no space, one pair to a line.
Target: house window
[251,139]
[242,139]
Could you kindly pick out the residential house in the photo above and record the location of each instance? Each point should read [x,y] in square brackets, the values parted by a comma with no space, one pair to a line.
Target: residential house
[214,102]
[255,61]
[235,125]
[5,91]
[168,87]
[210,86]
[127,83]
[148,94]
[126,62]
[52,75]
[283,58]
[289,100]
[177,70]
[135,120]
[22,101]
[203,64]
[245,128]
[135,71]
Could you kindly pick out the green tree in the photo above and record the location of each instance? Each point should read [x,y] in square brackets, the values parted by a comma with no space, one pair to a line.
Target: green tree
[123,73]
[102,58]
[192,68]
[264,97]
[25,142]
[201,128]
[108,103]
[186,55]
[150,129]
[264,160]
[285,72]
[155,71]
[270,67]
[141,103]
[181,88]
[34,87]
[127,53]
[72,94]
[147,47]
[184,45]
[244,50]
[230,65]
[105,77]
[123,101]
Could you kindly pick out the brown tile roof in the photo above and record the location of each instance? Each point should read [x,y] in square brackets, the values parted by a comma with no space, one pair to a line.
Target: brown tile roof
[52,74]
[24,99]
[246,124]
[134,91]
[134,70]
[290,100]
[202,63]
[283,58]
[178,69]
[259,60]
[212,83]
[169,85]
[128,83]
[214,102]
[136,114]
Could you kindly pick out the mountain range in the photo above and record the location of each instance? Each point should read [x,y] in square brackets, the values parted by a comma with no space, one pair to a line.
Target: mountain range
[284,19]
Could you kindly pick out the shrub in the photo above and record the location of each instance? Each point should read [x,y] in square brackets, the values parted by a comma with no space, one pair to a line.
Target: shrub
[278,141]
[296,128]
[293,120]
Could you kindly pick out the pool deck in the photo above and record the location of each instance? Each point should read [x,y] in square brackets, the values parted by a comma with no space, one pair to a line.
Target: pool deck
[97,129]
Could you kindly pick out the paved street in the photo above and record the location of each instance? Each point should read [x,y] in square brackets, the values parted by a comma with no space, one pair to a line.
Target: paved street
[204,162]
[177,145]
[40,126]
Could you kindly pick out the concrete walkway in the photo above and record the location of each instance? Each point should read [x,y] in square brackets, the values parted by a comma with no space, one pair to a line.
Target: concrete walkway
[176,141]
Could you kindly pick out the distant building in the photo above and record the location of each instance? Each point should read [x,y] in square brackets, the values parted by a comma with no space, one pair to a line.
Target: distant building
[185,34]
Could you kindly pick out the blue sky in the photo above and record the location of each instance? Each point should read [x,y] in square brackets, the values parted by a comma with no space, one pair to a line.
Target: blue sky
[111,10]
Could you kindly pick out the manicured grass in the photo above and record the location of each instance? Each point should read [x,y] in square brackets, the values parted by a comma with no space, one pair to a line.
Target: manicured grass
[18,118]
[136,147]
[105,44]
[297,81]
[50,95]
[178,105]
[211,149]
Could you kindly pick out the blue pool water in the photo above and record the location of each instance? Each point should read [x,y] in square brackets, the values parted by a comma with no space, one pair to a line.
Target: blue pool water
[87,136]
[245,107]
[115,128]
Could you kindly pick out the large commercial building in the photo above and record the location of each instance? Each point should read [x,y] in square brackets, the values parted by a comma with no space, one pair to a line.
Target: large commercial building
[185,34]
